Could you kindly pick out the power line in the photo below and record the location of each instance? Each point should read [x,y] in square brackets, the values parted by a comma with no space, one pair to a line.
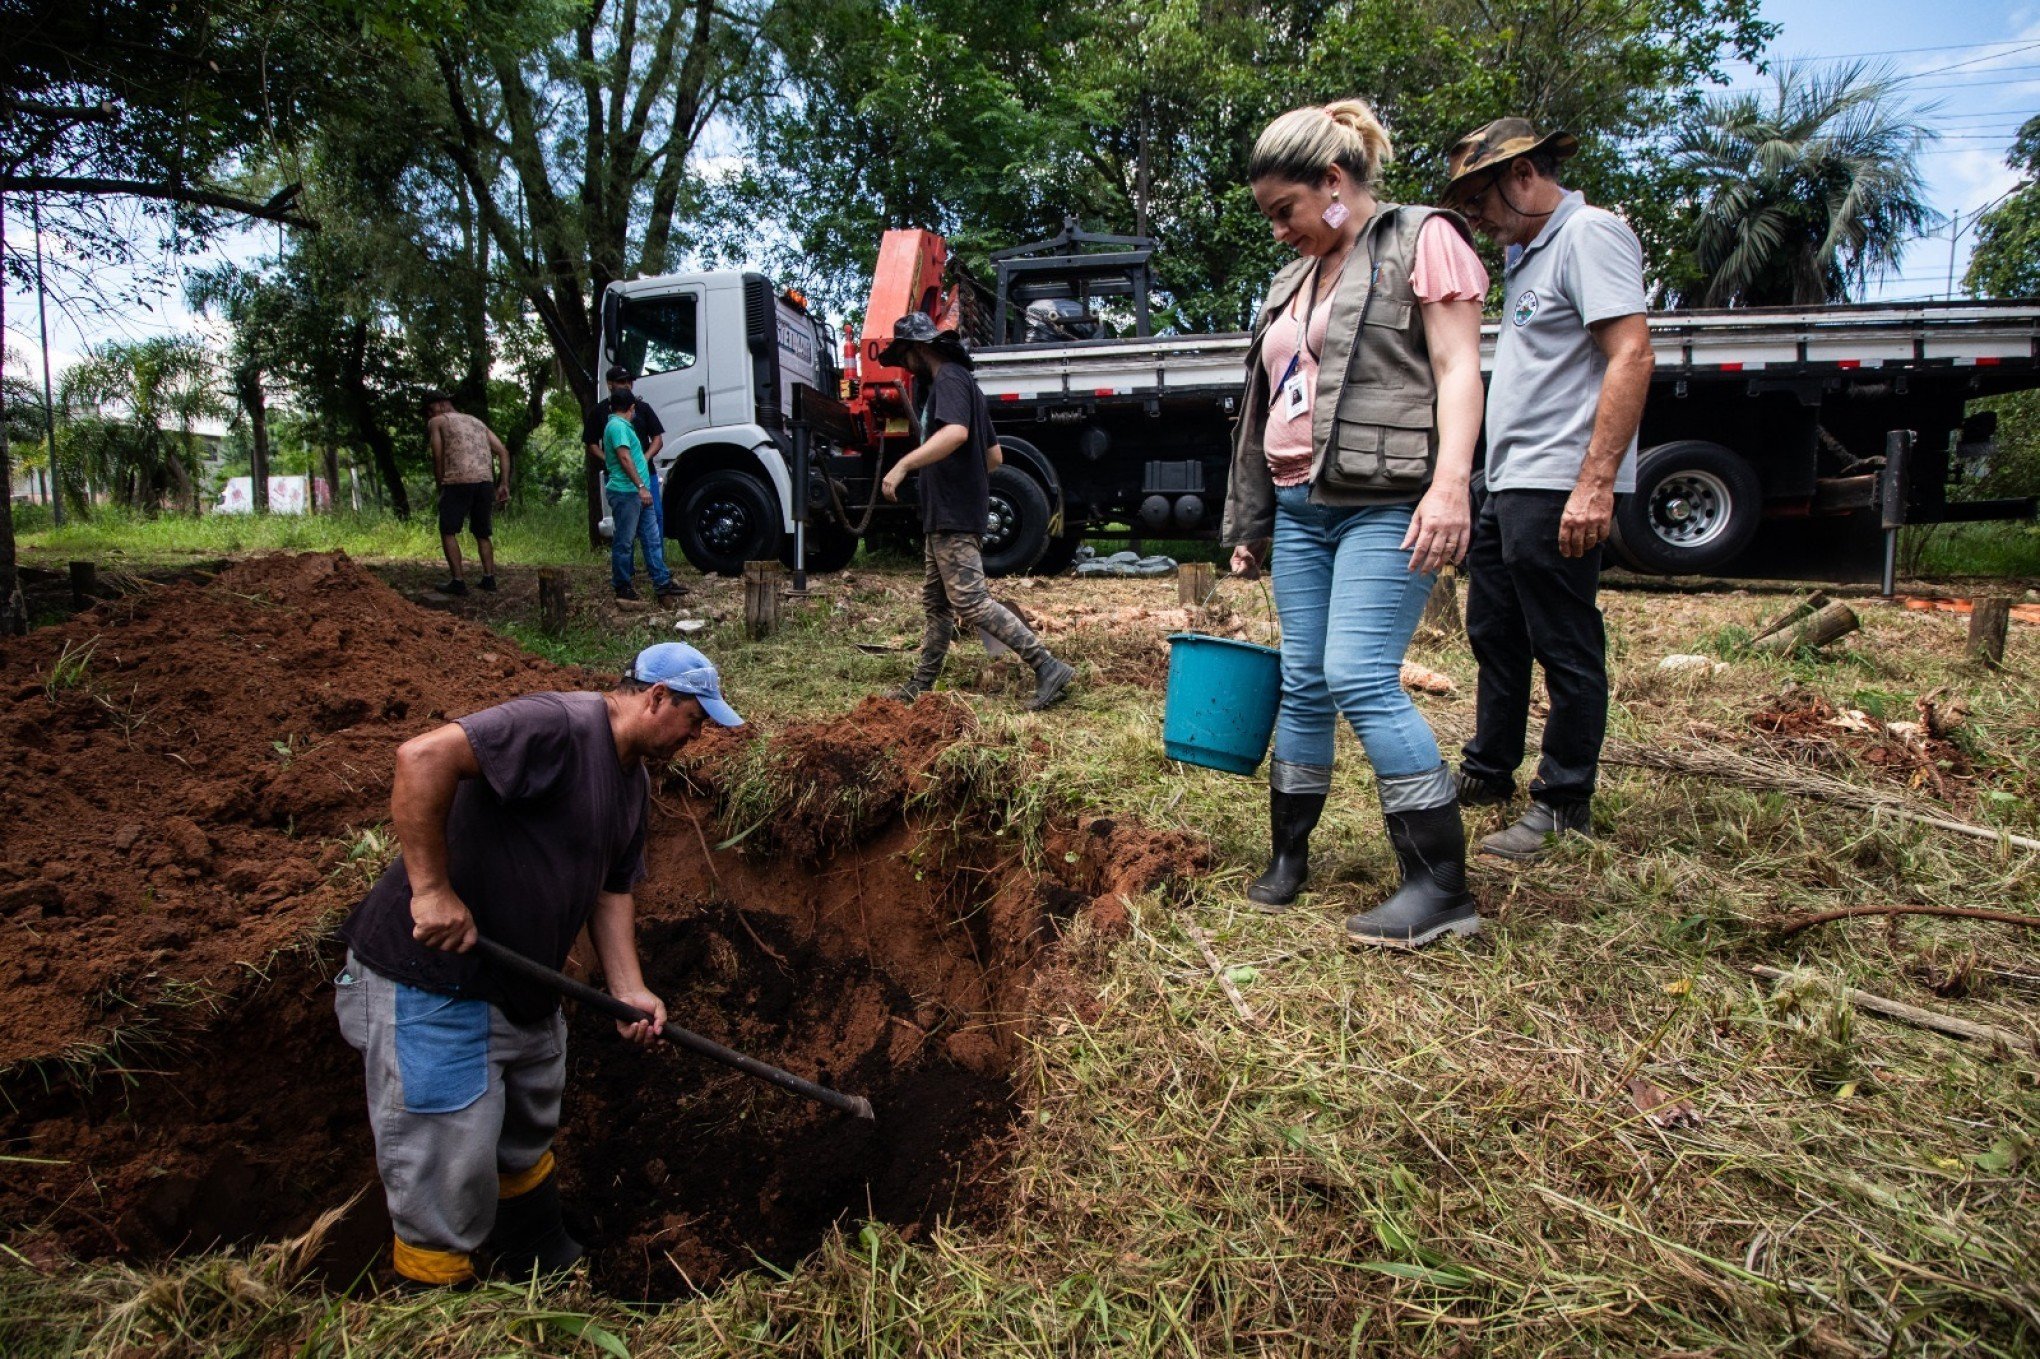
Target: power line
[1912,51]
[1938,70]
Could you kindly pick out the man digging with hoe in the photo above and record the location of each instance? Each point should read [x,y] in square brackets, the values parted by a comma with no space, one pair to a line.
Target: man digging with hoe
[519,824]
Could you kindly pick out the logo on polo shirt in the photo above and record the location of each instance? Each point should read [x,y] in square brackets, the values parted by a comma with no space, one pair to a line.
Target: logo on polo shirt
[1526,307]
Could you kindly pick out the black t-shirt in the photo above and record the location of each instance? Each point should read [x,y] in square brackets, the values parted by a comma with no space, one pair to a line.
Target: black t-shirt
[553,820]
[643,419]
[956,492]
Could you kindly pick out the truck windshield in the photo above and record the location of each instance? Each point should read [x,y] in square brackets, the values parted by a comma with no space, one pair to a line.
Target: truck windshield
[658,334]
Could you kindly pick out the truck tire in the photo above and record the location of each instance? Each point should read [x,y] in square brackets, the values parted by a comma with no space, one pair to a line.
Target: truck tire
[1016,530]
[1061,552]
[1695,508]
[725,519]
[829,548]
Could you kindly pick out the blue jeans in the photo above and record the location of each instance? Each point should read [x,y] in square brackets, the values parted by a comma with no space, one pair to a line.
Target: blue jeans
[1349,604]
[636,524]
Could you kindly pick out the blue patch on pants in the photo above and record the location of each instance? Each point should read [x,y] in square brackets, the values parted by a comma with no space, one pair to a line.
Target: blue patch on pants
[442,1050]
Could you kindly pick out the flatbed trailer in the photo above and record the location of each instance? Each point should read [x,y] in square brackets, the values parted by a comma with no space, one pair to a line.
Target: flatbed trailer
[1753,414]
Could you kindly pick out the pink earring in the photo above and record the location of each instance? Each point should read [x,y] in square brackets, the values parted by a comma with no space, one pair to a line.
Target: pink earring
[1335,216]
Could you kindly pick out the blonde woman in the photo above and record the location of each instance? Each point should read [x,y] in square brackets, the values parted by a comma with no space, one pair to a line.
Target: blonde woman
[1352,460]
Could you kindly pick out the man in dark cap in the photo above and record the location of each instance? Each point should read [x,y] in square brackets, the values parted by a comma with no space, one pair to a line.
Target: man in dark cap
[1572,369]
[955,462]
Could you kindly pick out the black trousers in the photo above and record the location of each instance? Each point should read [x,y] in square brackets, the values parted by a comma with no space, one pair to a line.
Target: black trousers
[1525,602]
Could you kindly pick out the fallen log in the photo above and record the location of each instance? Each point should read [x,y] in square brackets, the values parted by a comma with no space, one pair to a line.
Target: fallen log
[1801,609]
[1830,624]
[1925,1019]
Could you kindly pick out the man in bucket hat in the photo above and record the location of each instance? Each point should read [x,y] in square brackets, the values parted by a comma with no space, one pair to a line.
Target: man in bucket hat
[522,823]
[955,462]
[1572,369]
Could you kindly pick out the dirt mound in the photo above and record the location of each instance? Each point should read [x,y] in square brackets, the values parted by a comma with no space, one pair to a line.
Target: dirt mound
[179,770]
[179,807]
[1804,727]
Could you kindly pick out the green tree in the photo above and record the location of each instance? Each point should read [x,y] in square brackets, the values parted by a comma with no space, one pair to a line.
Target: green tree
[1805,193]
[991,122]
[2006,261]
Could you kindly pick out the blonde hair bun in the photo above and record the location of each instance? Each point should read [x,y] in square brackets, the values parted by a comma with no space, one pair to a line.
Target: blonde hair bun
[1304,143]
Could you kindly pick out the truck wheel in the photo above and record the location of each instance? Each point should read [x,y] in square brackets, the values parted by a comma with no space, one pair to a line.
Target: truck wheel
[1061,552]
[726,519]
[1695,509]
[829,548]
[1016,530]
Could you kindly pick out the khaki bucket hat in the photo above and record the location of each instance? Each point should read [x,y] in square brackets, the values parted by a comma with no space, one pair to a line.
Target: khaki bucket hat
[1495,145]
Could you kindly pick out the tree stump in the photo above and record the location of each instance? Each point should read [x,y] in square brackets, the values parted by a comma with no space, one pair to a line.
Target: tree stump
[1835,621]
[552,601]
[1441,620]
[1193,584]
[84,584]
[1988,622]
[761,599]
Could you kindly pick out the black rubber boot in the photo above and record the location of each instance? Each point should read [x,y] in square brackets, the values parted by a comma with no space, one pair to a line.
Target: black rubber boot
[1291,819]
[530,1235]
[1430,847]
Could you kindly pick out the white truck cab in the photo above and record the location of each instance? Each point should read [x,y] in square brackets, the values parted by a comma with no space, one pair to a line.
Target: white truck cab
[717,355]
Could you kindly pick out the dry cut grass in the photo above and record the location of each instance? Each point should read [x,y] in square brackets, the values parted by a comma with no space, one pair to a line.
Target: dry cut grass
[1589,1131]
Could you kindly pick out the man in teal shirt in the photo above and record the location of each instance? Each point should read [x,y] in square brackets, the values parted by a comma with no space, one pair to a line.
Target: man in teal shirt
[631,512]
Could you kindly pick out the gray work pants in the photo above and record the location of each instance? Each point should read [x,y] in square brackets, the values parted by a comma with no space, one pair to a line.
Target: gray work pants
[442,1170]
[953,592]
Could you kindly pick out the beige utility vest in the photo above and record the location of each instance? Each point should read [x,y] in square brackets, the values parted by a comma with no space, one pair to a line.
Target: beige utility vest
[1374,436]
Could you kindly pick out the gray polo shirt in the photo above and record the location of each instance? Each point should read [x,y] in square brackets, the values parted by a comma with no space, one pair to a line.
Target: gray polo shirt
[1585,266]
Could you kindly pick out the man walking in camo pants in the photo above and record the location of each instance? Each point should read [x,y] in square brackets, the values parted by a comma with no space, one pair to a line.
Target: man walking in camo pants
[955,463]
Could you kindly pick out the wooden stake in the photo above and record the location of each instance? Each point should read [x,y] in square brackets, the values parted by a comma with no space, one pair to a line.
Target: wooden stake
[1988,621]
[1193,584]
[552,601]
[1225,983]
[1925,1019]
[1441,620]
[84,584]
[761,599]
[1830,624]
[1805,608]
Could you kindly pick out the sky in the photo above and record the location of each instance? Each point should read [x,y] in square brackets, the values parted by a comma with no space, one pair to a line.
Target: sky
[1972,68]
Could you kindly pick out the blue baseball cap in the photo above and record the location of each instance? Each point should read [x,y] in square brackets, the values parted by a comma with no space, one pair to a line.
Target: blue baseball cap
[683,670]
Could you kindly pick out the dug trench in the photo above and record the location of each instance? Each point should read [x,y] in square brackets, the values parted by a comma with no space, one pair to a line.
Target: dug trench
[891,922]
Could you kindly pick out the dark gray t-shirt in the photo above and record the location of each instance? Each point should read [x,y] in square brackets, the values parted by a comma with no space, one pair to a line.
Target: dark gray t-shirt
[956,493]
[554,820]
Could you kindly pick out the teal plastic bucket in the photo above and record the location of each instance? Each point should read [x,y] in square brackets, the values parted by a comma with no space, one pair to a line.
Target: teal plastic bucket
[1222,699]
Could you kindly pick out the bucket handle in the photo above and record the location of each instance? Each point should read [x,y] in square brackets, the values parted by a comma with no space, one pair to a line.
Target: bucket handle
[1260,578]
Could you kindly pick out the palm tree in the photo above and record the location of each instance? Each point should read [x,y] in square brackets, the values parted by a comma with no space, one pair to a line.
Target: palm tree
[1804,192]
[124,400]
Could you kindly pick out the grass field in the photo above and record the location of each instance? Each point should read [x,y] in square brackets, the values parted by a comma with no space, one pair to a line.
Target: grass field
[1444,1153]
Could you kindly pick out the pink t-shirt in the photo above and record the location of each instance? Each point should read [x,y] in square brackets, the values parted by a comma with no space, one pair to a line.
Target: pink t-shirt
[1446,270]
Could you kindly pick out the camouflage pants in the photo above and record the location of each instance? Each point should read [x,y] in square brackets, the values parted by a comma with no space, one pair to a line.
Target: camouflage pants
[953,594]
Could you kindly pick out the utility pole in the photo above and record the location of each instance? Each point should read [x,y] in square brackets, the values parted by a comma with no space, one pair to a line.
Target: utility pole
[1956,231]
[49,402]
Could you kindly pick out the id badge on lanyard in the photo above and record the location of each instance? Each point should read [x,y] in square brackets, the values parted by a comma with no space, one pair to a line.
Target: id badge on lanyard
[1295,393]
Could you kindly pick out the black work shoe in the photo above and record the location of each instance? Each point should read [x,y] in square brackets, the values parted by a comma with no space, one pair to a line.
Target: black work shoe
[1476,791]
[1051,685]
[489,584]
[671,593]
[454,587]
[1537,830]
[1291,819]
[530,1236]
[625,592]
[1430,848]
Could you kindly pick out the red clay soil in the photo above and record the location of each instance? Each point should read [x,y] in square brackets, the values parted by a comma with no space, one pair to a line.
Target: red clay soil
[178,814]
[1804,727]
[176,821]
